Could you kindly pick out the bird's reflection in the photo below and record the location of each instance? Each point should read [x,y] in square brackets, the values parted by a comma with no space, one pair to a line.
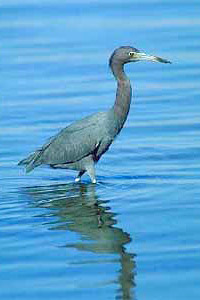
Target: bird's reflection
[77,208]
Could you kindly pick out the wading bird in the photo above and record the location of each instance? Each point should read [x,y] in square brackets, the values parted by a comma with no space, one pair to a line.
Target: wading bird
[80,145]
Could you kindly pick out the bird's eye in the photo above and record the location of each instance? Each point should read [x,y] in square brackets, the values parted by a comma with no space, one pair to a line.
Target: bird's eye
[131,54]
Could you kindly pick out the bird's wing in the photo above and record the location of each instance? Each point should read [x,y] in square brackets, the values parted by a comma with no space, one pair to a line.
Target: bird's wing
[75,141]
[103,146]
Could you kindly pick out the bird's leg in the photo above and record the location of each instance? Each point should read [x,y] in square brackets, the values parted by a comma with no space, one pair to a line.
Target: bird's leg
[78,178]
[91,172]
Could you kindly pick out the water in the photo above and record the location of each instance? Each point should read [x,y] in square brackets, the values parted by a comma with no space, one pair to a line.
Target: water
[135,235]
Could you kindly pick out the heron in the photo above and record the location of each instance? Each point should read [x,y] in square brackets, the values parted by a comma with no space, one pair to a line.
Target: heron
[80,145]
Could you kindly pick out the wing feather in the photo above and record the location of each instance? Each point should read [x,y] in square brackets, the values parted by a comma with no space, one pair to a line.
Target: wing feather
[75,141]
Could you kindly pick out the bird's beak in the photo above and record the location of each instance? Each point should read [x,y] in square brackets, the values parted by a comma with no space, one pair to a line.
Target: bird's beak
[144,56]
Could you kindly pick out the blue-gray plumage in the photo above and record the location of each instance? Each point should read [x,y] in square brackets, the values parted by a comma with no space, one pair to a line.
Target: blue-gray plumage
[80,145]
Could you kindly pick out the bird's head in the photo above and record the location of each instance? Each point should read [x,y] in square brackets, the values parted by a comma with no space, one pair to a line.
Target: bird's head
[127,54]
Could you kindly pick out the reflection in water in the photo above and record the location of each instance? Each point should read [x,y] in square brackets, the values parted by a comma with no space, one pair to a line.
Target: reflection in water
[77,208]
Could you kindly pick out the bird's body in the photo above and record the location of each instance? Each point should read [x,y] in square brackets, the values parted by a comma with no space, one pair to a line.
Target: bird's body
[80,145]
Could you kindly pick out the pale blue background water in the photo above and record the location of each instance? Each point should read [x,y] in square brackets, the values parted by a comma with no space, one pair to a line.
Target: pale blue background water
[135,235]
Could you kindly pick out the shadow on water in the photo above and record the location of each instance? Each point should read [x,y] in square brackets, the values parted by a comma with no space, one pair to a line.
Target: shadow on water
[76,207]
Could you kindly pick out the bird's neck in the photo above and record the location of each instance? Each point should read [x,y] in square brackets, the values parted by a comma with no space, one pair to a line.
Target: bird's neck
[123,95]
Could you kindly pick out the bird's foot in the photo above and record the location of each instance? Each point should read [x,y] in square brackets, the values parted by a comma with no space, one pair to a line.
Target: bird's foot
[77,179]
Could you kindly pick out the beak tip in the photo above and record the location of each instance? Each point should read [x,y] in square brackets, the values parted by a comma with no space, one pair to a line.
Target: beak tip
[162,60]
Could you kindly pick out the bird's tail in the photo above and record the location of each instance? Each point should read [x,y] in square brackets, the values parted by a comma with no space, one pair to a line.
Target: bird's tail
[31,161]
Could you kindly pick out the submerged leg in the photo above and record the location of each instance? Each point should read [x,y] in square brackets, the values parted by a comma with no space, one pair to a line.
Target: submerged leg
[78,178]
[91,172]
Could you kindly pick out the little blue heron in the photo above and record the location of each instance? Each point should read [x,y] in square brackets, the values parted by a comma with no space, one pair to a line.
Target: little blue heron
[80,145]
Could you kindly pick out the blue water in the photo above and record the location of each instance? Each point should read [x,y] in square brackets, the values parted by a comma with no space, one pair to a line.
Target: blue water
[135,235]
